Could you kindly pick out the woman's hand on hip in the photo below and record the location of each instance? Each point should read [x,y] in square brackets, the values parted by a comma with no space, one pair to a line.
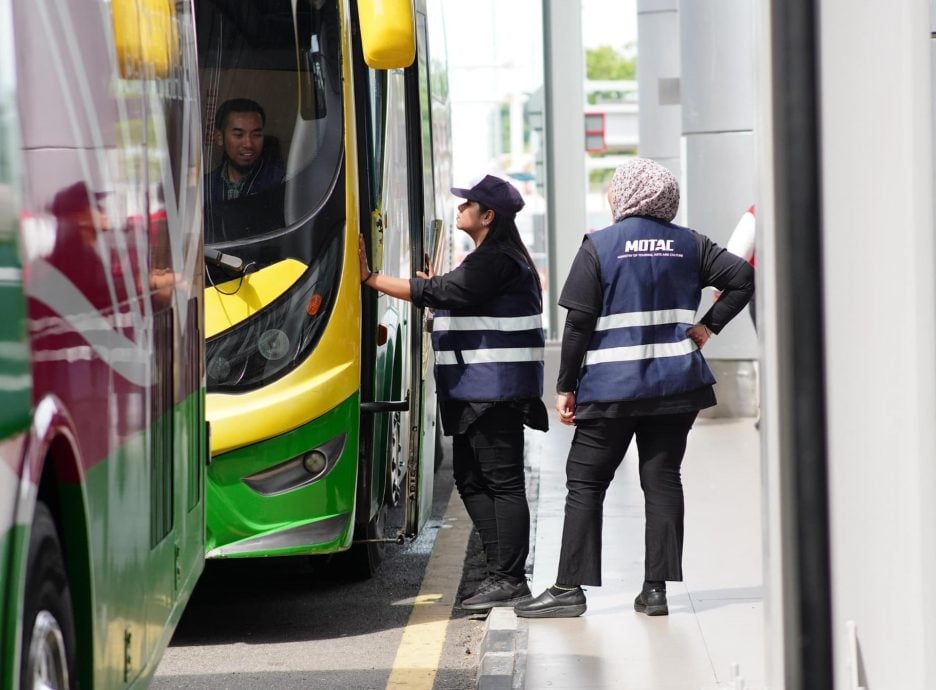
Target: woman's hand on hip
[699,334]
[565,406]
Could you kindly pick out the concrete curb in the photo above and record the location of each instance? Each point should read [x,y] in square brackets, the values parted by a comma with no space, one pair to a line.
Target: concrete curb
[503,651]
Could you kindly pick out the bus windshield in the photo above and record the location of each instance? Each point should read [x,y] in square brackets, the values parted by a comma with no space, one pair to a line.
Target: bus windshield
[271,88]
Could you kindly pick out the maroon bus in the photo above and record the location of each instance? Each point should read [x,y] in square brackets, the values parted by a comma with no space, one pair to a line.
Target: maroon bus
[102,435]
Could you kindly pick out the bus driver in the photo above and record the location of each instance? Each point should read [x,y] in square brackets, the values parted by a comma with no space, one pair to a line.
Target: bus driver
[244,170]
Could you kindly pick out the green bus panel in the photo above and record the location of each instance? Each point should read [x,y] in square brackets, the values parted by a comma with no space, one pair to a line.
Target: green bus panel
[316,518]
[116,551]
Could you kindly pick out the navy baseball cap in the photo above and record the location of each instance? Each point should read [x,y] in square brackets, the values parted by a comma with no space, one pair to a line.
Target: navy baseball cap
[494,193]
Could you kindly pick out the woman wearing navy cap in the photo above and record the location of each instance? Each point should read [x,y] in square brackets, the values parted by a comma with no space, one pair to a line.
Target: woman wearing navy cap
[488,340]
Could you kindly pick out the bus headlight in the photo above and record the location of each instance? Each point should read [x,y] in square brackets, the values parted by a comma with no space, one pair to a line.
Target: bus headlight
[218,369]
[300,471]
[314,462]
[271,343]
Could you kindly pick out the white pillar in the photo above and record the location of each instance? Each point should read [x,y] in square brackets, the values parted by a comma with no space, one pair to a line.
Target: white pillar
[565,144]
[658,81]
[717,92]
[880,335]
[772,499]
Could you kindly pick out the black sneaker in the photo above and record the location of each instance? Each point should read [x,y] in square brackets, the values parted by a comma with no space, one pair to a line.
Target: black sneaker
[568,604]
[496,593]
[485,585]
[652,602]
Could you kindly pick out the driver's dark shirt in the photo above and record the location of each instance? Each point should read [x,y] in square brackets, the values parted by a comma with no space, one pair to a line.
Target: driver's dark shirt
[251,206]
[262,176]
[232,190]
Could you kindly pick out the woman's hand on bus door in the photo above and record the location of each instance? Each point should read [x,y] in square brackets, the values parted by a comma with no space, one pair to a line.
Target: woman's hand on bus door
[395,287]
[362,258]
[428,273]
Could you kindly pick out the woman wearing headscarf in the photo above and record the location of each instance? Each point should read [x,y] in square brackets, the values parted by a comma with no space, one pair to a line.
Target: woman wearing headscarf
[488,340]
[632,367]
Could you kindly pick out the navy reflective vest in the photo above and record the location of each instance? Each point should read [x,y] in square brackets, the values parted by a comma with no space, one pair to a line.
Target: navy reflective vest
[492,351]
[650,294]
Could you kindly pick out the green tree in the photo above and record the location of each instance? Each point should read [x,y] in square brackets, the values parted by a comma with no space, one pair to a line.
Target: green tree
[606,63]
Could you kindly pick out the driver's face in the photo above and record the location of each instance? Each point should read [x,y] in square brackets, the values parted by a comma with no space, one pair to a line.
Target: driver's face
[242,138]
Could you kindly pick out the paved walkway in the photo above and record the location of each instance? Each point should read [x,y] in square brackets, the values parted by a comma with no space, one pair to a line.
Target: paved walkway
[713,637]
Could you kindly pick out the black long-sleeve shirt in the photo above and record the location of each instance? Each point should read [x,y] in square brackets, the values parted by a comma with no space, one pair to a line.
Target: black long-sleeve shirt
[582,296]
[481,276]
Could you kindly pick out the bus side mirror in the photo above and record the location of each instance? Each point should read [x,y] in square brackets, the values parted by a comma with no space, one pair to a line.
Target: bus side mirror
[387,33]
[145,37]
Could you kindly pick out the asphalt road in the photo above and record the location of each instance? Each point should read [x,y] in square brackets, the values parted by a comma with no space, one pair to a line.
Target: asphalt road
[294,623]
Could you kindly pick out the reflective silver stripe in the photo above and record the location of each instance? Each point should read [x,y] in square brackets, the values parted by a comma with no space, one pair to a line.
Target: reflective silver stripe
[489,355]
[10,455]
[17,352]
[15,384]
[487,323]
[645,318]
[9,274]
[637,352]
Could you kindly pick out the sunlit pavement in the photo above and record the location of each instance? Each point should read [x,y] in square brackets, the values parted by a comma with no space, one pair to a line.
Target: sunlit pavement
[713,637]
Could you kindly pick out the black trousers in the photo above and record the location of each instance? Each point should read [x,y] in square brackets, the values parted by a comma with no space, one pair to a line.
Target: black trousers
[598,448]
[488,466]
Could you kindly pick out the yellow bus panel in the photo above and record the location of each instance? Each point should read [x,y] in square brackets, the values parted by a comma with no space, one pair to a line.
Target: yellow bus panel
[224,311]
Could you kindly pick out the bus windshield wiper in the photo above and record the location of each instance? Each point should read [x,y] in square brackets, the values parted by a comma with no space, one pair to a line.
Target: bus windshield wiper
[228,262]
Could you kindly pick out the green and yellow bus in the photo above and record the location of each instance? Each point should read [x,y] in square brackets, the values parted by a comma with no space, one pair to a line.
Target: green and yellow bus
[103,444]
[320,398]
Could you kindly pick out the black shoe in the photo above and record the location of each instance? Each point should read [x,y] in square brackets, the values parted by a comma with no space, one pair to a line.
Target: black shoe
[496,593]
[652,602]
[548,605]
[485,585]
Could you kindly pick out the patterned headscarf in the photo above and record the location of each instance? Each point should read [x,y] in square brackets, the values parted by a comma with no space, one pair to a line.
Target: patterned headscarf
[642,187]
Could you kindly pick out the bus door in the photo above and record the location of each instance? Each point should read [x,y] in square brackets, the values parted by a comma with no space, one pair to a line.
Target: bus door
[160,62]
[174,232]
[424,228]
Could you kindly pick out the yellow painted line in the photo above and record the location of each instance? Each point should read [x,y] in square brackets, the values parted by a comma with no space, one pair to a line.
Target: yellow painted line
[417,658]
